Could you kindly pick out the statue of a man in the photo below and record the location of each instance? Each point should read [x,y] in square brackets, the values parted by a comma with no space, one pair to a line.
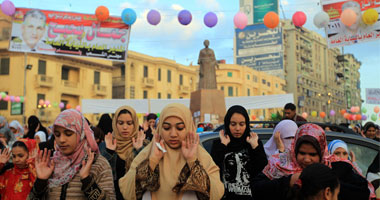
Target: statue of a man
[207,64]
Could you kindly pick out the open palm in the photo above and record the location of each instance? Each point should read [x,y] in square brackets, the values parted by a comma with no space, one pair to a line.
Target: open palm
[138,142]
[110,142]
[190,146]
[5,155]
[44,166]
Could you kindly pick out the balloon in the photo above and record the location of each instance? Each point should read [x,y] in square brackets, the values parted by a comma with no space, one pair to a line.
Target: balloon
[158,114]
[364,110]
[358,117]
[22,99]
[271,19]
[357,109]
[12,98]
[240,20]
[153,17]
[352,117]
[8,7]
[128,16]
[55,104]
[322,114]
[343,111]
[68,106]
[3,94]
[373,117]
[78,108]
[39,106]
[346,115]
[102,13]
[304,115]
[41,102]
[210,19]
[199,129]
[376,109]
[184,17]
[348,17]
[261,118]
[7,98]
[314,113]
[352,109]
[61,105]
[274,115]
[299,18]
[370,16]
[253,117]
[17,99]
[321,19]
[332,112]
[47,102]
[364,117]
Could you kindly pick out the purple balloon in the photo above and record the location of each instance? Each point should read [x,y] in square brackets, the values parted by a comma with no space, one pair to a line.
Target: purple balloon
[332,112]
[184,17]
[12,98]
[153,17]
[364,117]
[210,19]
[61,105]
[8,7]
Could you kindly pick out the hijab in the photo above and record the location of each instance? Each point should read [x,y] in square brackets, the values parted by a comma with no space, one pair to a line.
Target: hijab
[67,166]
[33,123]
[41,135]
[337,144]
[285,164]
[287,128]
[16,125]
[237,143]
[4,130]
[172,162]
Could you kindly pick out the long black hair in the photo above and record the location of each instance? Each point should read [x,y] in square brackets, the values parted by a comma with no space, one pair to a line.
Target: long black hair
[105,123]
[33,123]
[237,142]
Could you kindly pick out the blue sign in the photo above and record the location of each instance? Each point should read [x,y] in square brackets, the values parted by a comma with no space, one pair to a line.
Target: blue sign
[262,62]
[255,39]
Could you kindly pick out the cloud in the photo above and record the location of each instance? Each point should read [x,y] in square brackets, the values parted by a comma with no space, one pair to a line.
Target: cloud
[284,2]
[210,4]
[177,7]
[126,5]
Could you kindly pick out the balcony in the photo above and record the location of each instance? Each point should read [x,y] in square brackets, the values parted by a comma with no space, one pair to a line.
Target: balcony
[118,81]
[184,89]
[100,90]
[148,82]
[70,84]
[44,81]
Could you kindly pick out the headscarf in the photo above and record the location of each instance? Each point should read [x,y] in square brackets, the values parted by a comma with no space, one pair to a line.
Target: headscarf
[6,131]
[105,123]
[124,144]
[16,125]
[3,120]
[237,143]
[337,144]
[41,135]
[66,166]
[284,164]
[172,162]
[32,146]
[287,128]
[33,123]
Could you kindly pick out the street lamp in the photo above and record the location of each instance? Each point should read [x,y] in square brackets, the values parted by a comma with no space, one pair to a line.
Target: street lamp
[27,67]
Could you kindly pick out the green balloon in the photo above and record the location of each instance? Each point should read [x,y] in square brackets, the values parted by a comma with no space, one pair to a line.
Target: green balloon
[3,95]
[158,114]
[373,117]
[55,104]
[364,110]
[274,115]
[22,99]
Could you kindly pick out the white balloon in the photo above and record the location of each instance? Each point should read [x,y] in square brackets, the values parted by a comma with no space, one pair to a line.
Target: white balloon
[261,118]
[321,19]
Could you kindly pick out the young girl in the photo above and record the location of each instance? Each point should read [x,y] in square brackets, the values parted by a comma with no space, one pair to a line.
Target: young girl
[17,182]
[282,138]
[76,171]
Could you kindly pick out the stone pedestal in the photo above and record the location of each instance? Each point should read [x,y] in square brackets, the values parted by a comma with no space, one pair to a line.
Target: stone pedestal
[208,105]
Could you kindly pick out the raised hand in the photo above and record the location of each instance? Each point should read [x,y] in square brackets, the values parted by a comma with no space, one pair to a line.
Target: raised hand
[86,164]
[353,157]
[253,140]
[280,145]
[224,139]
[190,147]
[156,154]
[110,142]
[146,125]
[138,142]
[5,155]
[44,166]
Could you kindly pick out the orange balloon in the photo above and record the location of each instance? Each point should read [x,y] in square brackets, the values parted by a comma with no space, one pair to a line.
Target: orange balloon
[376,109]
[346,115]
[68,106]
[358,117]
[322,114]
[271,19]
[342,112]
[253,117]
[348,17]
[102,13]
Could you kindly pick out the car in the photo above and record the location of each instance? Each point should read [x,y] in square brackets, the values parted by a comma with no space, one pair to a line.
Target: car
[364,149]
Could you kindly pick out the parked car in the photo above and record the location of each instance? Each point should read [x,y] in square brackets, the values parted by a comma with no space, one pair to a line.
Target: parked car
[364,149]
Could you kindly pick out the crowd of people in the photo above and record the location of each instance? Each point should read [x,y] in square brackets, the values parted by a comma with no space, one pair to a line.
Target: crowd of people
[162,158]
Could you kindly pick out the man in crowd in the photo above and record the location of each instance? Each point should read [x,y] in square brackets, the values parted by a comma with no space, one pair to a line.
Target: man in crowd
[290,113]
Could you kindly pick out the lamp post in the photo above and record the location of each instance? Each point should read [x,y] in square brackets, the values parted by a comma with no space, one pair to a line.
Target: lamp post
[26,67]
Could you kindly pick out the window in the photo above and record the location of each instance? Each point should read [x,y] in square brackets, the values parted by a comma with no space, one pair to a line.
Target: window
[41,67]
[145,71]
[41,96]
[268,83]
[276,85]
[169,76]
[222,88]
[248,77]
[180,79]
[159,74]
[64,104]
[169,96]
[264,81]
[132,92]
[65,73]
[4,66]
[248,92]
[4,104]
[145,94]
[159,95]
[122,70]
[230,91]
[254,78]
[229,74]
[237,94]
[96,77]
[132,72]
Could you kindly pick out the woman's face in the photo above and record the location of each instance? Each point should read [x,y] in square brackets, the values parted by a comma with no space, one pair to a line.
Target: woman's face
[19,157]
[14,131]
[66,140]
[307,155]
[173,132]
[341,153]
[237,125]
[371,132]
[37,138]
[125,125]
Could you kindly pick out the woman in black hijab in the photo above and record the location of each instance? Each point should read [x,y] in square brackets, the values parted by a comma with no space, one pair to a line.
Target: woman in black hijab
[105,123]
[34,125]
[239,154]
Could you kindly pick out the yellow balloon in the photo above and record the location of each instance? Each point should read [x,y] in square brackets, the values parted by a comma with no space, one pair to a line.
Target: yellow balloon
[370,16]
[314,113]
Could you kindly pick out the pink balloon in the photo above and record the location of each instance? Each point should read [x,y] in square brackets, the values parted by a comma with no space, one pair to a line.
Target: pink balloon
[348,17]
[240,20]
[352,109]
[299,18]
[61,105]
[17,99]
[47,102]
[332,112]
[304,115]
[78,108]
[8,7]
[7,98]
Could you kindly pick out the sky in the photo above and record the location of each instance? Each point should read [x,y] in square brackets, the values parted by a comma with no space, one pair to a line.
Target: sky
[171,40]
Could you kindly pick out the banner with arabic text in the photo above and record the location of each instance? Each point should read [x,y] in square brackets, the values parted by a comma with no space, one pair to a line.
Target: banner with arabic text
[340,35]
[69,34]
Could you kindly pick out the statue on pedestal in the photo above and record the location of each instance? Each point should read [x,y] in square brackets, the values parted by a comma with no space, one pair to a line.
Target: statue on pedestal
[207,64]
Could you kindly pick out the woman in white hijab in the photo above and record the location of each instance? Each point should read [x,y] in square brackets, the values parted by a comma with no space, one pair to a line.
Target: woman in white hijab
[282,138]
[16,129]
[40,137]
